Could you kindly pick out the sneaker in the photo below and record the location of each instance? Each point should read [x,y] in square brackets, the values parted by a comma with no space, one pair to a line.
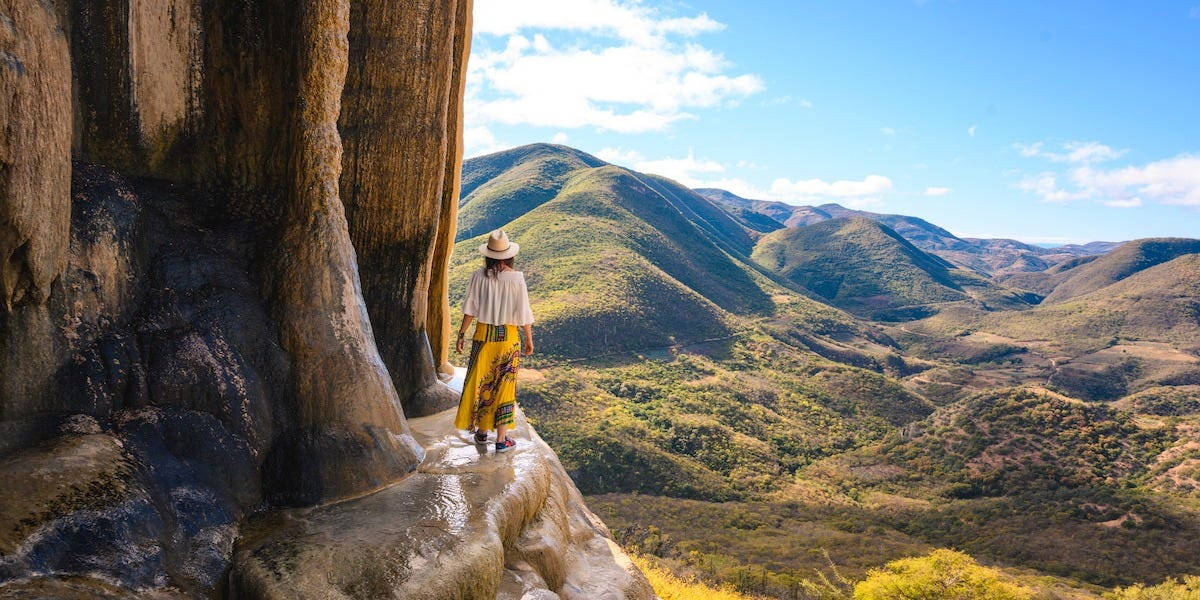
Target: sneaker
[481,438]
[505,445]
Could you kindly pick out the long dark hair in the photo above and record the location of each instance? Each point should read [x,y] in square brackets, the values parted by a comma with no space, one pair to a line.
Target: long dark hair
[492,265]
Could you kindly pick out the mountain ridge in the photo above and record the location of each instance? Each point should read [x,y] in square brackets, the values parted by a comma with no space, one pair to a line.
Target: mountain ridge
[990,256]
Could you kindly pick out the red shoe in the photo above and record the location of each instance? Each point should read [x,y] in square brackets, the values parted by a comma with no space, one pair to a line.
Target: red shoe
[481,438]
[505,445]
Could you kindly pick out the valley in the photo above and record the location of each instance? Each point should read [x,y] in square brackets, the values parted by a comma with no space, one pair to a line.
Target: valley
[780,398]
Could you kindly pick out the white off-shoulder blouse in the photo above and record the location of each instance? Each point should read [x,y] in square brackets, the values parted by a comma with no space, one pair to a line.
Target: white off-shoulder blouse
[499,300]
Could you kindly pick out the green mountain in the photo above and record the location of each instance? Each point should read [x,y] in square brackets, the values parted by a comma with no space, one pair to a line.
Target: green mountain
[1125,260]
[867,268]
[500,187]
[1159,303]
[1043,281]
[619,260]
[924,234]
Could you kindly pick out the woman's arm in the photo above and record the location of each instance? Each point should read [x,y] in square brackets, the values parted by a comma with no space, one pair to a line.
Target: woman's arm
[462,331]
[528,339]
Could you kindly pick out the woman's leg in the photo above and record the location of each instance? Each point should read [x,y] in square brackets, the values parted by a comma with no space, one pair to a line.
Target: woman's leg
[501,432]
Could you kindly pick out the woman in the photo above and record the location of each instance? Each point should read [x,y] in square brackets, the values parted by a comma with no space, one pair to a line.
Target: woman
[498,298]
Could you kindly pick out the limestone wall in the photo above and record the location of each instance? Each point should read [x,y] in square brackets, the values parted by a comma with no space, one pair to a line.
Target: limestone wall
[224,231]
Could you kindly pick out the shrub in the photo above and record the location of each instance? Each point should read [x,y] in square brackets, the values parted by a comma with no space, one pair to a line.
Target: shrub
[669,586]
[1171,589]
[942,574]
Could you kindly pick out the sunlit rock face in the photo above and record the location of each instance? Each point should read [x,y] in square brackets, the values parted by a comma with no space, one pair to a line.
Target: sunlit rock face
[187,286]
[224,230]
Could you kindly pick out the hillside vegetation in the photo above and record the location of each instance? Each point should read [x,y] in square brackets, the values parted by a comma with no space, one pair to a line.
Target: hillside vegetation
[1127,259]
[1160,303]
[865,267]
[807,402]
[858,264]
[619,260]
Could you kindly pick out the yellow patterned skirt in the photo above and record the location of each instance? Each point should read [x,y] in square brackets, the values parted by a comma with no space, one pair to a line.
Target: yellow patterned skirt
[489,394]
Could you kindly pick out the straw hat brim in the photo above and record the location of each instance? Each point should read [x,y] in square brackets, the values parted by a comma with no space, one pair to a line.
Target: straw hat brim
[512,250]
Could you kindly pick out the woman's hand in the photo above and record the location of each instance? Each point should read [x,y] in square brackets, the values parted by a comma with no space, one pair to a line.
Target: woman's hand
[458,345]
[528,339]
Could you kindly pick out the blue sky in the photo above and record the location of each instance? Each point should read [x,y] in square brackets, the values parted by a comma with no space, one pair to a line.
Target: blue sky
[1041,121]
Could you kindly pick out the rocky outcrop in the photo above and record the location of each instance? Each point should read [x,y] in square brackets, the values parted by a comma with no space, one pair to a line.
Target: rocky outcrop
[224,228]
[469,524]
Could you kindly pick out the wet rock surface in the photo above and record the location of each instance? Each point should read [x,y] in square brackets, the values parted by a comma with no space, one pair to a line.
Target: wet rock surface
[163,396]
[469,523]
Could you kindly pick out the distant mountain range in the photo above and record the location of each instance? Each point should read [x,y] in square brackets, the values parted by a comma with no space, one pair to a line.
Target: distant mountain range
[683,262]
[987,256]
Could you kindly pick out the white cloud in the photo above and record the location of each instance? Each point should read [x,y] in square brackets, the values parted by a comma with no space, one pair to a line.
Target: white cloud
[864,202]
[934,190]
[1129,203]
[559,138]
[971,131]
[619,157]
[683,170]
[738,186]
[888,131]
[871,185]
[636,71]
[707,173]
[1046,186]
[627,20]
[478,140]
[1169,181]
[1072,152]
[804,103]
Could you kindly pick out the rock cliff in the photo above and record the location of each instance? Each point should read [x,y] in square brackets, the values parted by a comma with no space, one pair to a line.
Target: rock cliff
[224,229]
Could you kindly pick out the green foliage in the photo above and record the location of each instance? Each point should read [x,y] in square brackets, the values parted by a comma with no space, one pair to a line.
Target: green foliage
[994,353]
[1172,589]
[996,442]
[716,428]
[1166,401]
[941,575]
[1105,383]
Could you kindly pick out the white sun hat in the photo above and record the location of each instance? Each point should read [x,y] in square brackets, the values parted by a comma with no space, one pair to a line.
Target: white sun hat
[498,246]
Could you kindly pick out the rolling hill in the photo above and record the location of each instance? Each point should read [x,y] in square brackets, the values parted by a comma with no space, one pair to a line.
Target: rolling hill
[1160,303]
[1042,282]
[1125,260]
[859,265]
[503,186]
[867,268]
[620,260]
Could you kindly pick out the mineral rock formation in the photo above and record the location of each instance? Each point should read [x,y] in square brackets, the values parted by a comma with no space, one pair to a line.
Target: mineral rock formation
[35,167]
[224,228]
[468,524]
